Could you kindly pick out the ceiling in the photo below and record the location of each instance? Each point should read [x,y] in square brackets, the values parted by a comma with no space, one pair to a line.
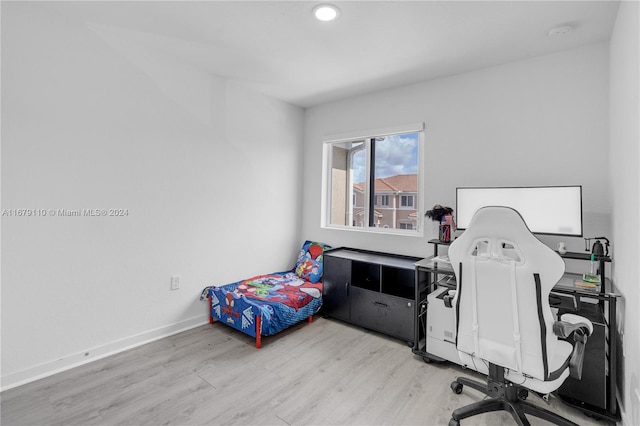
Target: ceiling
[280,49]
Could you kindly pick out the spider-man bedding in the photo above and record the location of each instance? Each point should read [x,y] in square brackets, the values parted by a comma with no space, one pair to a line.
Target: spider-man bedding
[266,304]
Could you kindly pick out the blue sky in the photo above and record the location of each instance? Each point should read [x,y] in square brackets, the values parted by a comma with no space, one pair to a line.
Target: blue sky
[395,155]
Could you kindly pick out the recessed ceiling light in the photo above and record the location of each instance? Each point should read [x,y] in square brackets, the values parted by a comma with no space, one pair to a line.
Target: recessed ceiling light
[561,31]
[326,12]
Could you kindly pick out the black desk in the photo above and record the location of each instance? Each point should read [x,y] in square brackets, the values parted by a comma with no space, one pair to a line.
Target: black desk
[598,305]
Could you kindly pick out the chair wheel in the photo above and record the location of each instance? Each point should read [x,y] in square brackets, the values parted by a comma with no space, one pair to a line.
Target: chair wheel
[457,388]
[426,359]
[454,422]
[523,394]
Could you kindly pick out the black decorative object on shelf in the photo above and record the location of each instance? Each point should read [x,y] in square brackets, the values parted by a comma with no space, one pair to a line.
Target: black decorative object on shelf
[597,249]
[438,212]
[444,215]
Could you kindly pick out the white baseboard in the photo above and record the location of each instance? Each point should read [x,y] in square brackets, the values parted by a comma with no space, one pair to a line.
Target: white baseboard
[41,371]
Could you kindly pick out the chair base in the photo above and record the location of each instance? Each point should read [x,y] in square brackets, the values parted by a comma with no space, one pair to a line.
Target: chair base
[505,396]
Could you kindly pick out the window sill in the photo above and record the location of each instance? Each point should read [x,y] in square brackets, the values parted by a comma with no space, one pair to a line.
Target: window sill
[382,231]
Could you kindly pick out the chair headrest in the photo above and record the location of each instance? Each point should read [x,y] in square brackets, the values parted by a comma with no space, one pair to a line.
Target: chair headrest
[499,222]
[498,232]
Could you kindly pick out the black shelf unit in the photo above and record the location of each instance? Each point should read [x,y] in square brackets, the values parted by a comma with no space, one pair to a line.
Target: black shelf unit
[429,275]
[371,289]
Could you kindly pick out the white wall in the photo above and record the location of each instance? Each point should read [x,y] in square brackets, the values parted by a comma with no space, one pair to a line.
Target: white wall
[208,171]
[541,121]
[624,137]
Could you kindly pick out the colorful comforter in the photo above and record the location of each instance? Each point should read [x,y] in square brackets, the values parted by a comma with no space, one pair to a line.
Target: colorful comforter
[281,299]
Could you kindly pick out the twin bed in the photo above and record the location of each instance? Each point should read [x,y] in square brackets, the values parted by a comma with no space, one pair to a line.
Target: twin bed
[266,304]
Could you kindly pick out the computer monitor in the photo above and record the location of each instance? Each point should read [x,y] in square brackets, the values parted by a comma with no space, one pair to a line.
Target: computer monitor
[550,210]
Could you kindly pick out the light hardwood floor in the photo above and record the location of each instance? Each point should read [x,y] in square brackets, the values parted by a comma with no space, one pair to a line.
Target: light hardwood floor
[323,373]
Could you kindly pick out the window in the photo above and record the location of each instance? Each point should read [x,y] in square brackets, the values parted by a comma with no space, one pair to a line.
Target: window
[406,200]
[373,182]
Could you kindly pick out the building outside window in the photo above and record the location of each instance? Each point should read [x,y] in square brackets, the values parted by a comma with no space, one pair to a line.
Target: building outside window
[379,175]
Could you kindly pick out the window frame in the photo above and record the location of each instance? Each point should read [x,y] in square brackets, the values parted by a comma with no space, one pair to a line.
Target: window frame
[369,205]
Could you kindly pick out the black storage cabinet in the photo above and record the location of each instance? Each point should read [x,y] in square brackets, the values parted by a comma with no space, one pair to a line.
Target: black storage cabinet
[372,290]
[591,389]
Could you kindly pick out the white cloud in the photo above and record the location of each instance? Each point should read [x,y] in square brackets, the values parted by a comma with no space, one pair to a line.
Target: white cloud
[395,155]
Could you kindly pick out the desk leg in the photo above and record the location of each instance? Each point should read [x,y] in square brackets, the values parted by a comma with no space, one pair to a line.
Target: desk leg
[613,361]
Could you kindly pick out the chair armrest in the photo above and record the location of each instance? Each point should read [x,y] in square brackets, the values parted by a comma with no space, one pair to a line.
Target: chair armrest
[581,328]
[569,323]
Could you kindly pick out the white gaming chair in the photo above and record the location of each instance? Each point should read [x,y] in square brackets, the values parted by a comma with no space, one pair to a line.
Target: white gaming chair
[505,326]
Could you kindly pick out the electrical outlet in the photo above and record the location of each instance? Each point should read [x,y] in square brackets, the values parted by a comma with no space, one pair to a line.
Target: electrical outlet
[175,282]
